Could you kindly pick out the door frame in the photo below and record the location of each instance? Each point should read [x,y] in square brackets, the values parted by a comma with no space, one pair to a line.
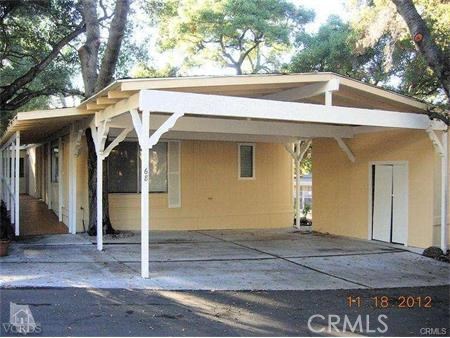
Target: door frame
[370,199]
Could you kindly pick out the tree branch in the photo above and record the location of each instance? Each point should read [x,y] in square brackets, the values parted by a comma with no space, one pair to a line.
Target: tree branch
[9,91]
[116,34]
[424,42]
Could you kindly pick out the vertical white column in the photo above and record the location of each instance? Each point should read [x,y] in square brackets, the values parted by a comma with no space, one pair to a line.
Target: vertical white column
[145,178]
[72,195]
[17,185]
[49,175]
[444,192]
[8,178]
[297,191]
[60,179]
[99,200]
[13,184]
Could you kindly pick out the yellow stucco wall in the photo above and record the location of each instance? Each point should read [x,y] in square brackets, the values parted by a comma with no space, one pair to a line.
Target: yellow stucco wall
[212,195]
[341,188]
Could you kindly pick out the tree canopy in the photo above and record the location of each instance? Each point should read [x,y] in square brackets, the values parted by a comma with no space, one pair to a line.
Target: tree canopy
[247,35]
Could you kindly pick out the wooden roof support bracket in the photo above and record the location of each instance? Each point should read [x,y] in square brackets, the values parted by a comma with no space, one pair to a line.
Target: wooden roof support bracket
[345,148]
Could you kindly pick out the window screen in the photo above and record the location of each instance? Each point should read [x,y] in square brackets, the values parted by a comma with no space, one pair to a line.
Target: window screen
[246,161]
[122,168]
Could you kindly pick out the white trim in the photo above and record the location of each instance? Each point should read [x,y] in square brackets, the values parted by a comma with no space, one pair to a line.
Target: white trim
[145,198]
[253,145]
[372,163]
[60,179]
[239,107]
[17,185]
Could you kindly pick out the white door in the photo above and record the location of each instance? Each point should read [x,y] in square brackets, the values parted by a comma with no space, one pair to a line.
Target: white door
[400,204]
[390,203]
[382,203]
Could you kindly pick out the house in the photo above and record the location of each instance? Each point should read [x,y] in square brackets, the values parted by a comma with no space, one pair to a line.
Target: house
[216,152]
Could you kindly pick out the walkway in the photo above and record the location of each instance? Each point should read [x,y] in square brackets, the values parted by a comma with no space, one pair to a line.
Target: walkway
[37,219]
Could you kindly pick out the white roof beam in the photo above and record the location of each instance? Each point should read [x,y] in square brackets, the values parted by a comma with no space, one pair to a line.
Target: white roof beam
[238,107]
[314,89]
[230,126]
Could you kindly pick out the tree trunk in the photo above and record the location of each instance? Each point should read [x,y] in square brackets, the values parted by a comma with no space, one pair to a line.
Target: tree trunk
[423,40]
[92,180]
[95,80]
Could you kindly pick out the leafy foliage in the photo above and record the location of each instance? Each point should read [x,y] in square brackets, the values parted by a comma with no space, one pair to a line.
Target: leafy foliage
[247,35]
[30,30]
[377,20]
[332,49]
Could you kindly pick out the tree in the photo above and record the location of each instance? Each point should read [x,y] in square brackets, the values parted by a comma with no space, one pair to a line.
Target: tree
[438,60]
[379,19]
[98,72]
[29,56]
[333,49]
[247,35]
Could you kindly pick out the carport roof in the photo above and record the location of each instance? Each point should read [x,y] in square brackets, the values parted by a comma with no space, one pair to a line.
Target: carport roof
[36,126]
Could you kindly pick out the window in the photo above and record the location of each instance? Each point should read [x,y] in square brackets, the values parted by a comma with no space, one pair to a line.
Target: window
[54,164]
[158,167]
[124,168]
[246,161]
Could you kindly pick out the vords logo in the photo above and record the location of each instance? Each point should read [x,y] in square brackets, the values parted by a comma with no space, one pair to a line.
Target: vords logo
[335,323]
[21,320]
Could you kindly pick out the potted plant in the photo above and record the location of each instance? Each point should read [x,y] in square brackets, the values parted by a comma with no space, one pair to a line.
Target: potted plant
[4,245]
[305,223]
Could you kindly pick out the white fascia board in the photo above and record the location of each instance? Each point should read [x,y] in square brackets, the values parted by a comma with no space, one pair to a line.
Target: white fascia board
[238,107]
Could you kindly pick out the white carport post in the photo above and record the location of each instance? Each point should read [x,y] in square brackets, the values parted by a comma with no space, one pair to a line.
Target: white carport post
[298,150]
[444,193]
[99,135]
[441,147]
[145,181]
[17,184]
[12,183]
[142,128]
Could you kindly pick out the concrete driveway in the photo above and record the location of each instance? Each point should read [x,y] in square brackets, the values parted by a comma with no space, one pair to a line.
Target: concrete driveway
[219,260]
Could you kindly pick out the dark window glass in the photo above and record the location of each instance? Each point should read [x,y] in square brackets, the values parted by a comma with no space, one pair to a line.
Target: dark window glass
[22,167]
[246,161]
[122,167]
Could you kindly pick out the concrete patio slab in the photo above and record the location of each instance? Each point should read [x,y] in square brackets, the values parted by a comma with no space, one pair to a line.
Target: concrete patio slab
[156,236]
[80,275]
[220,260]
[383,271]
[60,239]
[268,274]
[184,251]
[306,245]
[55,254]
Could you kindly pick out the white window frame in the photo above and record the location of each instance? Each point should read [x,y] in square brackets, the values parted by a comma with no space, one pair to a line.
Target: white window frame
[253,145]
